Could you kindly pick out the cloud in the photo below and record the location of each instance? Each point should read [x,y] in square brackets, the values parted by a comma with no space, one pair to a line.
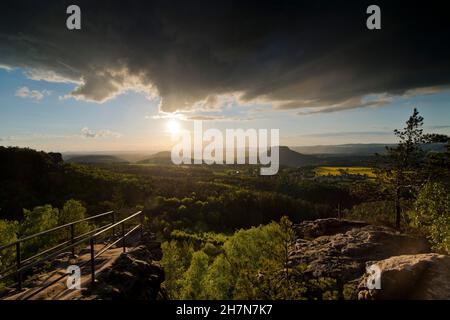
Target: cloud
[48,75]
[353,103]
[26,93]
[219,118]
[202,117]
[5,67]
[317,57]
[87,133]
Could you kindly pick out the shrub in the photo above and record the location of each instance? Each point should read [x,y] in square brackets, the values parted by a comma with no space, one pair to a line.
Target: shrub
[432,214]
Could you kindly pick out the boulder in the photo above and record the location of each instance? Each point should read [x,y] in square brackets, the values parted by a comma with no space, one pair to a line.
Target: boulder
[325,227]
[341,248]
[133,276]
[420,276]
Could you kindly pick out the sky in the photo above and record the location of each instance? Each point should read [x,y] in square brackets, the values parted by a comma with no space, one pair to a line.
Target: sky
[138,70]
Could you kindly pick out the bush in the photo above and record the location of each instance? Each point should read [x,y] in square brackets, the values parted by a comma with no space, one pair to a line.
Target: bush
[8,234]
[432,215]
[192,283]
[176,260]
[377,212]
[37,220]
[72,211]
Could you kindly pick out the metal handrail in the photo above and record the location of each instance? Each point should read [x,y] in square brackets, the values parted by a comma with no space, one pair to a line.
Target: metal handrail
[46,258]
[104,249]
[54,229]
[65,242]
[123,236]
[116,224]
[20,267]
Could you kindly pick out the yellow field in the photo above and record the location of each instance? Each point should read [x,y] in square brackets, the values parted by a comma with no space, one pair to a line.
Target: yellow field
[337,171]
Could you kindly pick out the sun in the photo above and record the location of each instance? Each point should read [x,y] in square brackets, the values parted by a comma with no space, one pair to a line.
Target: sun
[173,126]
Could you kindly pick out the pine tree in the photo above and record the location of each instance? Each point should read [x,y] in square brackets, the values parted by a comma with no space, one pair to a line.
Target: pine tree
[399,167]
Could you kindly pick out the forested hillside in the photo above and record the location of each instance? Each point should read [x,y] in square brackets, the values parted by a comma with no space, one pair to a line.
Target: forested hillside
[30,178]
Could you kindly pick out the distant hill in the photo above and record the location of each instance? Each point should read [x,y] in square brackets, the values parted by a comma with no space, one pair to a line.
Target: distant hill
[291,158]
[162,157]
[95,159]
[334,155]
[288,158]
[360,149]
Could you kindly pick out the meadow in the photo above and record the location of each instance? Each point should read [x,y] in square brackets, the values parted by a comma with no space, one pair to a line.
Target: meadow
[338,171]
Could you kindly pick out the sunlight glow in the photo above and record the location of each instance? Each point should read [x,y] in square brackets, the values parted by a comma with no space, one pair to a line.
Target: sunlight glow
[173,126]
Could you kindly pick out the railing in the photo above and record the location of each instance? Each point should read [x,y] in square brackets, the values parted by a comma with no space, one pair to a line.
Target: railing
[21,266]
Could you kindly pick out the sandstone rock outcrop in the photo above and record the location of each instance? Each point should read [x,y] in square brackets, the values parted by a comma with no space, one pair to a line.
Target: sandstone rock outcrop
[421,276]
[325,227]
[341,248]
[135,275]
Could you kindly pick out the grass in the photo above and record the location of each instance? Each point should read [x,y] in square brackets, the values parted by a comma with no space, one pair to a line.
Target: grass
[337,171]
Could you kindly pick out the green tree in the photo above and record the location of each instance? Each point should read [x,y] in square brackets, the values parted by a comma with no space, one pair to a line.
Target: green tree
[437,166]
[286,237]
[193,278]
[39,219]
[176,260]
[259,258]
[248,252]
[252,264]
[73,210]
[432,214]
[397,173]
[218,281]
[8,234]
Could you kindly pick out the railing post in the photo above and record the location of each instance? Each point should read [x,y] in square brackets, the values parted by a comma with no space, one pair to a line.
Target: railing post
[123,237]
[72,238]
[113,217]
[18,264]
[141,215]
[92,262]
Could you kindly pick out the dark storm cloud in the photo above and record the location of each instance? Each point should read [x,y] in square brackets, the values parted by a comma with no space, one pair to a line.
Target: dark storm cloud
[291,54]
